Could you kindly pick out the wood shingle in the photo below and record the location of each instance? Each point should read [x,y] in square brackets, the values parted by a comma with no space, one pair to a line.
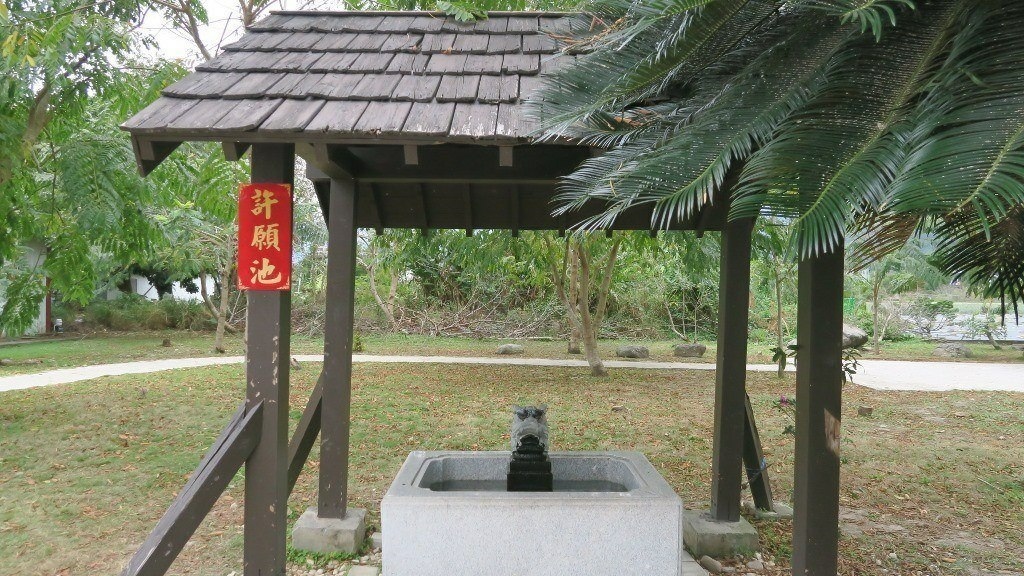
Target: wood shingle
[359,75]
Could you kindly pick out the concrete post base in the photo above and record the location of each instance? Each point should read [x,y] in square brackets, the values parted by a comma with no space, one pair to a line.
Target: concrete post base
[782,511]
[314,534]
[705,536]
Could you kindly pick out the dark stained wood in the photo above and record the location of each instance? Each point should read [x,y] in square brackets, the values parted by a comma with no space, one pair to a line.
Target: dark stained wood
[731,371]
[506,156]
[458,88]
[268,345]
[338,335]
[495,89]
[291,116]
[383,117]
[417,89]
[150,154]
[339,116]
[429,119]
[233,151]
[412,157]
[819,387]
[305,434]
[194,501]
[754,462]
[246,115]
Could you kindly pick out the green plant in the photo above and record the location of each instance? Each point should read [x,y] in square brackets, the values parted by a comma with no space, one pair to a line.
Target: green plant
[928,315]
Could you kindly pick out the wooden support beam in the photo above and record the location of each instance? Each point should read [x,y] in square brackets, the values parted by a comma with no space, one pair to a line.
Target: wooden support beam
[506,156]
[268,345]
[322,188]
[513,208]
[305,434]
[412,157]
[754,462]
[149,154]
[423,213]
[467,208]
[337,377]
[374,206]
[731,372]
[819,386]
[233,151]
[235,443]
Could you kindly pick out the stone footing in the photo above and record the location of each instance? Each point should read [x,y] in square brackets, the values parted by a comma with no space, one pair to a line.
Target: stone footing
[705,536]
[314,534]
[782,511]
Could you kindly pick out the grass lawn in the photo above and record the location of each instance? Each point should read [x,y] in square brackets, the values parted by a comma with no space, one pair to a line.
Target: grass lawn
[75,350]
[87,469]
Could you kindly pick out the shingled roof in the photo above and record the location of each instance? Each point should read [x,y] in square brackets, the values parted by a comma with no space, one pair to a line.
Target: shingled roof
[352,76]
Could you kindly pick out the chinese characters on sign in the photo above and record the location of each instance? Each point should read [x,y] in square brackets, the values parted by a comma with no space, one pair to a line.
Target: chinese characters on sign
[265,236]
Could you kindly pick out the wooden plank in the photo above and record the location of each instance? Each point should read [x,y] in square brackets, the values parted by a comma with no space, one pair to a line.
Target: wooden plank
[371,62]
[510,122]
[368,193]
[523,24]
[754,461]
[819,387]
[268,345]
[295,62]
[474,120]
[337,116]
[429,119]
[446,64]
[286,85]
[483,64]
[520,64]
[495,89]
[233,151]
[253,85]
[336,86]
[425,24]
[333,62]
[194,501]
[402,42]
[300,41]
[383,117]
[408,64]
[434,43]
[731,371]
[504,43]
[292,116]
[305,434]
[416,88]
[158,114]
[334,42]
[470,43]
[246,115]
[539,44]
[338,337]
[375,87]
[367,42]
[202,114]
[461,88]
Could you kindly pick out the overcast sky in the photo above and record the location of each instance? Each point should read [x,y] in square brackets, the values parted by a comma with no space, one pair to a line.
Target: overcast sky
[225,26]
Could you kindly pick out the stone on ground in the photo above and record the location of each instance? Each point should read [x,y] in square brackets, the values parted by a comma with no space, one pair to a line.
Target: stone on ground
[689,350]
[853,337]
[865,411]
[508,349]
[633,352]
[705,536]
[364,571]
[326,535]
[710,564]
[952,350]
[375,540]
[781,511]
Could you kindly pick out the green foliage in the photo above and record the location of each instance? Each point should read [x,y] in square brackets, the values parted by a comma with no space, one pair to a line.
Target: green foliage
[462,11]
[133,312]
[881,120]
[929,315]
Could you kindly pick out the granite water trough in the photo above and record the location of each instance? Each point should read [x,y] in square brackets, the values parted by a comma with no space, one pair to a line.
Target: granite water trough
[448,513]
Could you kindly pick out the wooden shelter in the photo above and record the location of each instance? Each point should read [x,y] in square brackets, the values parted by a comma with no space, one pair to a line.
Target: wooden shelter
[412,120]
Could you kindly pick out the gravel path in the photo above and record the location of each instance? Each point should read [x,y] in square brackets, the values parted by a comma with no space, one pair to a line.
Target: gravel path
[877,374]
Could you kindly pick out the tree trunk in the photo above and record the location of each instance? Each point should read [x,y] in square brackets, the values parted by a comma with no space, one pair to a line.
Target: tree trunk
[874,321]
[574,331]
[589,324]
[222,312]
[778,320]
[992,340]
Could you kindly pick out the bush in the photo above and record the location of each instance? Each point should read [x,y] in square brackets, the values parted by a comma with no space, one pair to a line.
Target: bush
[928,315]
[131,312]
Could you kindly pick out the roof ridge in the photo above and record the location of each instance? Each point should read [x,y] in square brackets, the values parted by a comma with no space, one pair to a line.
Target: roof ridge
[541,13]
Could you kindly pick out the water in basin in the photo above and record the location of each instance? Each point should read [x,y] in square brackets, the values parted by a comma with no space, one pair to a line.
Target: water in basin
[476,485]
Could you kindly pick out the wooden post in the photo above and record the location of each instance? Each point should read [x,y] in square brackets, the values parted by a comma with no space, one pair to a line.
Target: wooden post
[267,354]
[337,375]
[819,385]
[731,371]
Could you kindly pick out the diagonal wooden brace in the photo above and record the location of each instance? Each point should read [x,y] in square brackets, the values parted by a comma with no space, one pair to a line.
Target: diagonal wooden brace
[195,500]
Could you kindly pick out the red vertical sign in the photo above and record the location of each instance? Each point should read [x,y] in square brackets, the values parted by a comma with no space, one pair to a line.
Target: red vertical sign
[264,236]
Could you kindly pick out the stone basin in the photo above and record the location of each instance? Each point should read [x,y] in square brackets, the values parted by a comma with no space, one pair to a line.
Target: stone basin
[448,514]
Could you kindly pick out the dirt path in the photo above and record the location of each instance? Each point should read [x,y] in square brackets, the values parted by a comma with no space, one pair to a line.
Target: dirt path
[877,374]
